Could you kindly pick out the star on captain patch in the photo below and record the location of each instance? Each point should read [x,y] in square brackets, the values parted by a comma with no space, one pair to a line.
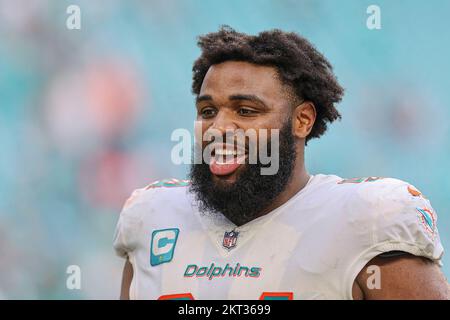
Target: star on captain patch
[230,239]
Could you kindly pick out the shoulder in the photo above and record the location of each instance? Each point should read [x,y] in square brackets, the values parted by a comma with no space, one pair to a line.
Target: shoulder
[155,203]
[370,188]
[166,193]
[158,190]
[392,215]
[381,215]
[366,196]
[379,194]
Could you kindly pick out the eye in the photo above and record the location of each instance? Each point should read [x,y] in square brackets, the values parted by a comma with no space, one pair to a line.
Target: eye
[208,112]
[244,111]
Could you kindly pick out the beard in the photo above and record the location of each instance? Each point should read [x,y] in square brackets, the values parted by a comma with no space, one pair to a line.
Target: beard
[251,193]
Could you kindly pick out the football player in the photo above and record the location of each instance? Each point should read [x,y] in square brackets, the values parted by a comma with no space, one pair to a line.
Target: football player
[231,232]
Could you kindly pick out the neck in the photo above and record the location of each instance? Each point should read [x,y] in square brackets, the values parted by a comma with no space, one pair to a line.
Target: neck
[300,178]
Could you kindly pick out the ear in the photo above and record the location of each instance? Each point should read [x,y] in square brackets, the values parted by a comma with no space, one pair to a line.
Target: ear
[304,116]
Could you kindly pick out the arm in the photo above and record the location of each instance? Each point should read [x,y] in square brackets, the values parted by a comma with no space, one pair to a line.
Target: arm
[405,277]
[126,237]
[127,276]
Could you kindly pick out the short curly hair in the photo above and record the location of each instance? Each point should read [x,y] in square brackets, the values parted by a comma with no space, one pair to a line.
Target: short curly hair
[298,63]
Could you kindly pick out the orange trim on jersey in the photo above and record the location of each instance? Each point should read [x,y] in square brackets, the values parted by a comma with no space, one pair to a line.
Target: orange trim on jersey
[187,296]
[288,295]
[413,191]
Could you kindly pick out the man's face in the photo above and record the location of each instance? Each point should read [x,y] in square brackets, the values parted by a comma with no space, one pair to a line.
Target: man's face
[241,96]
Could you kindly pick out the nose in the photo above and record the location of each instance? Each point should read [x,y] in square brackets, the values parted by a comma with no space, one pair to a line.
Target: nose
[223,122]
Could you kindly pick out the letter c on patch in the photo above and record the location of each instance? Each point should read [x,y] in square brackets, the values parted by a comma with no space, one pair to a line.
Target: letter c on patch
[163,245]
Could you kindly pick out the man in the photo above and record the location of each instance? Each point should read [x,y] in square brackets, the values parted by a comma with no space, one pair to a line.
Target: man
[232,232]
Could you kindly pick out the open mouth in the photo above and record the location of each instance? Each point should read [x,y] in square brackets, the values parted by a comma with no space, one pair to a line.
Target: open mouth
[226,159]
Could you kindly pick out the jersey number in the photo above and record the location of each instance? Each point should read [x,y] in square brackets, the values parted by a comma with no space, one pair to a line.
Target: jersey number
[264,296]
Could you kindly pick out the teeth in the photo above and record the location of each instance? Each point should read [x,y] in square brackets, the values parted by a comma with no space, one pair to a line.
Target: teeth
[225,152]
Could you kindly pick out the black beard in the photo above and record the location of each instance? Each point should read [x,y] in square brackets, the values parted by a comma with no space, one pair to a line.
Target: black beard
[251,193]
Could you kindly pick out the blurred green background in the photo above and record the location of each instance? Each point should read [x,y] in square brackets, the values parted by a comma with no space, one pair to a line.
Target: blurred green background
[86,115]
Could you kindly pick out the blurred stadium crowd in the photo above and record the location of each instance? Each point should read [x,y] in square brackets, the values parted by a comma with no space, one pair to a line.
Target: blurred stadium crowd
[86,115]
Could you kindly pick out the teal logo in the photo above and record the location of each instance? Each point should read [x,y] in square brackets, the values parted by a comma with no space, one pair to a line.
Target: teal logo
[162,245]
[428,219]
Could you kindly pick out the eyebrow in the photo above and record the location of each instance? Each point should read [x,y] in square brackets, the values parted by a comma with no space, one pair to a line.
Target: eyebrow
[205,97]
[248,97]
[234,97]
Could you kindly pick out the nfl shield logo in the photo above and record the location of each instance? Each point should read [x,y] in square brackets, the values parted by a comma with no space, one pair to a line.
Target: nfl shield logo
[229,239]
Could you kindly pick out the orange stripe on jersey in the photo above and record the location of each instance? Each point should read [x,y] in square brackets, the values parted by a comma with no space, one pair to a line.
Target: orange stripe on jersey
[178,296]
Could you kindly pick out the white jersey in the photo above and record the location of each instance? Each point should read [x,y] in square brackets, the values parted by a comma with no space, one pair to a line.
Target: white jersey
[311,247]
